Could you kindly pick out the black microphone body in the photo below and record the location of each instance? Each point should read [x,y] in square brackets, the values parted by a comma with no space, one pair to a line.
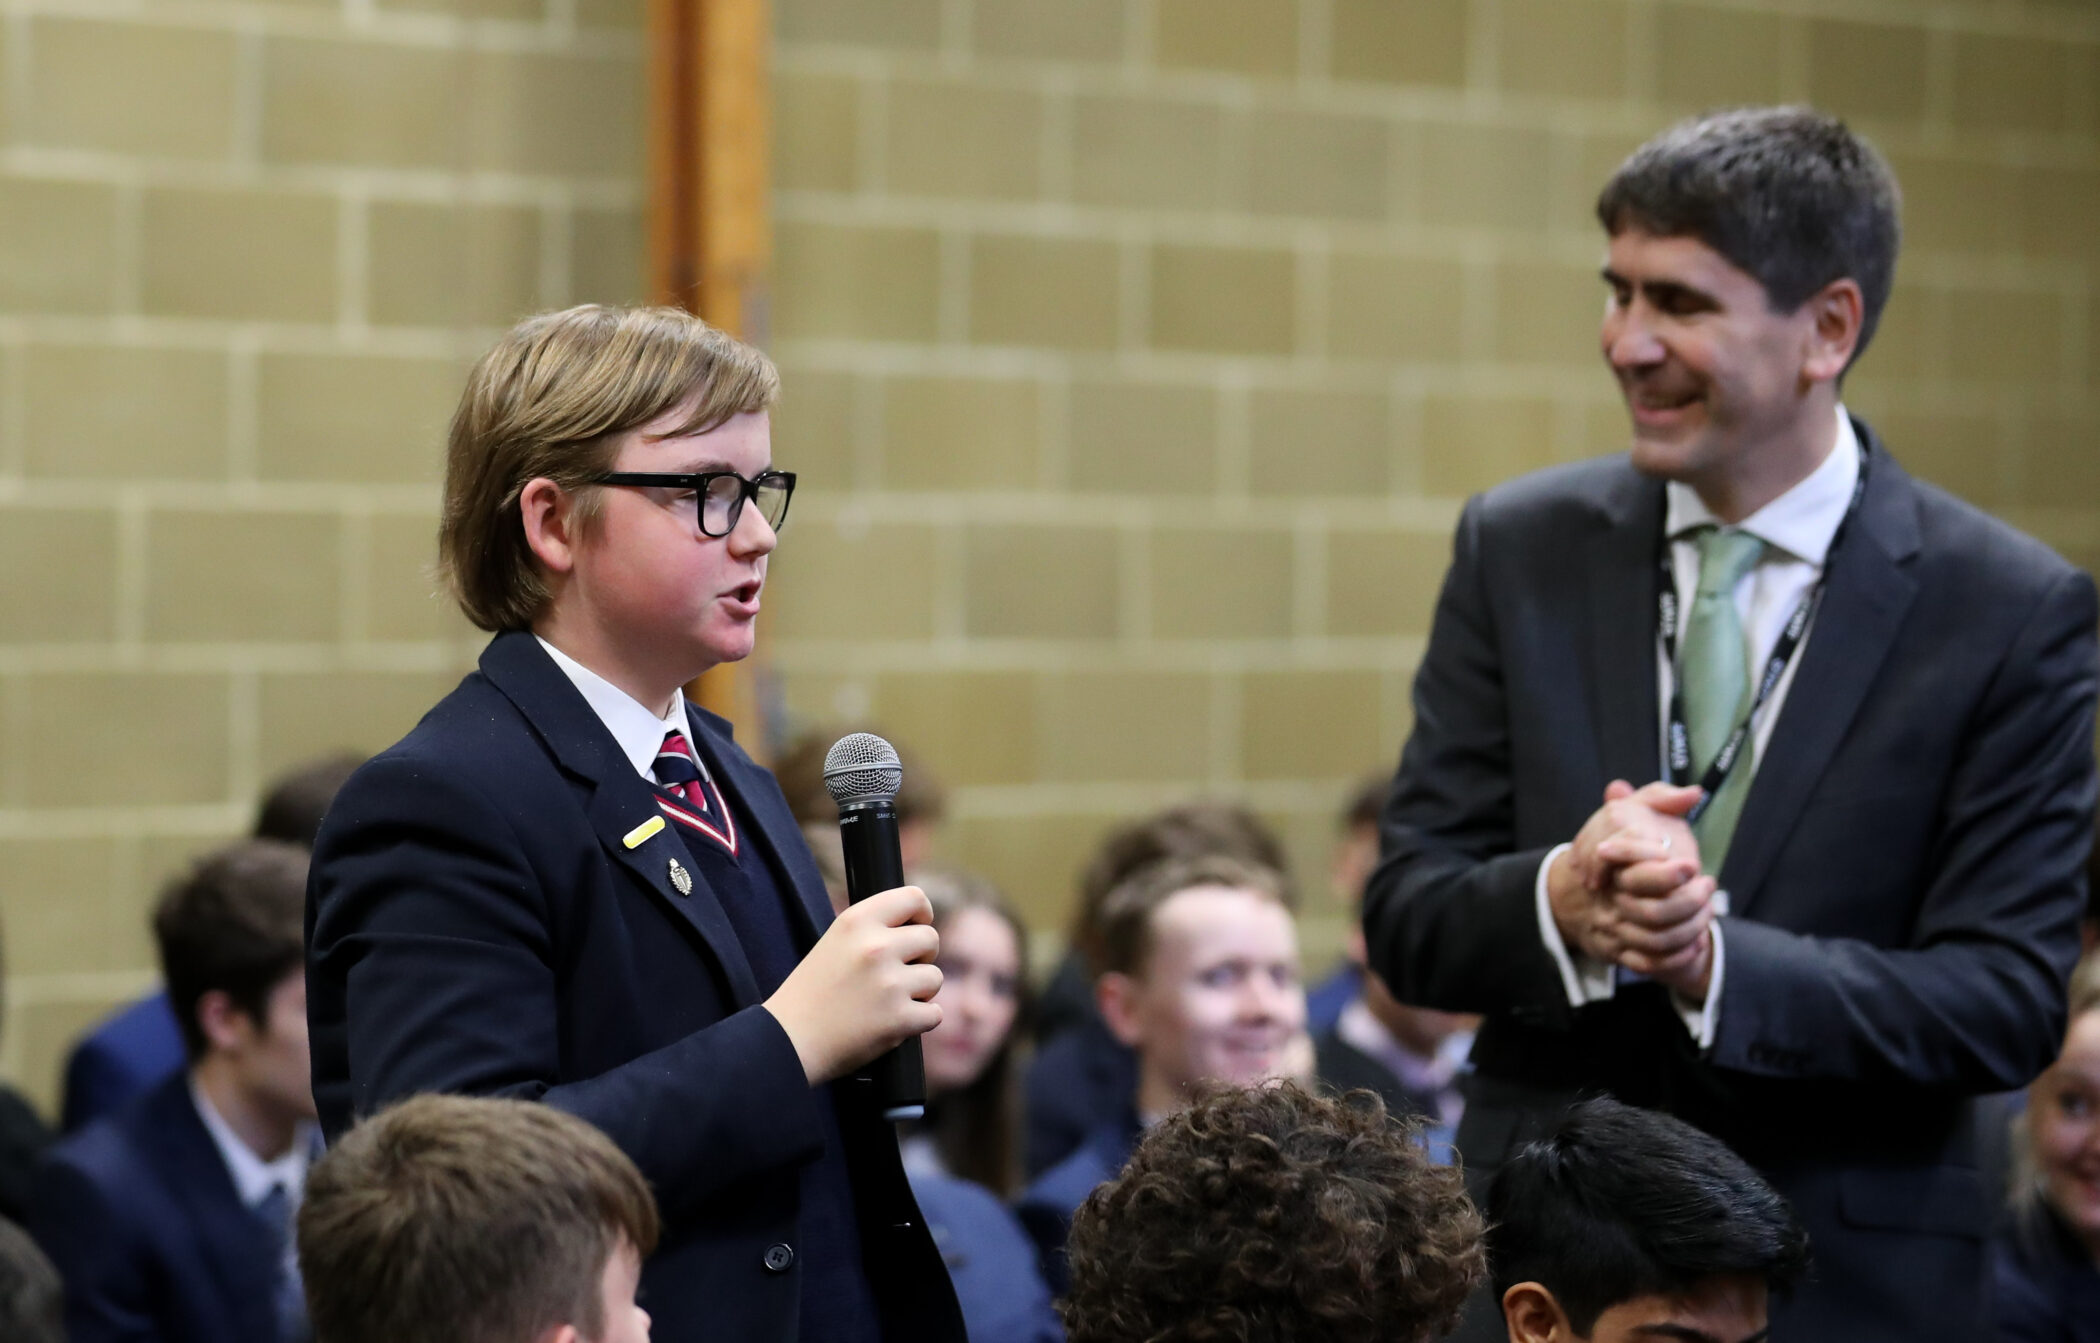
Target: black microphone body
[874,863]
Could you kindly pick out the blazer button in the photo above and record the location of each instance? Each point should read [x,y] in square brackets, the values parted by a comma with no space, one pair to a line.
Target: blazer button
[780,1259]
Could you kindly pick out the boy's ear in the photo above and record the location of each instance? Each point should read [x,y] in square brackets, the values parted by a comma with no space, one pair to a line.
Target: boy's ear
[223,1025]
[1117,994]
[561,1333]
[1534,1316]
[549,516]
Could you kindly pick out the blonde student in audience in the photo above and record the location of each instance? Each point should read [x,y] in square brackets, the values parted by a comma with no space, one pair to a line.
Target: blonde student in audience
[1199,961]
[454,1219]
[964,1160]
[2047,1262]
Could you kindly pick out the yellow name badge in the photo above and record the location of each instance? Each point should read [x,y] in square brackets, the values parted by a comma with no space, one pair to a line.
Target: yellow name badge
[634,838]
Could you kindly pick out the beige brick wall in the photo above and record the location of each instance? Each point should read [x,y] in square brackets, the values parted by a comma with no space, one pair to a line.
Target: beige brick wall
[1143,348]
[246,252]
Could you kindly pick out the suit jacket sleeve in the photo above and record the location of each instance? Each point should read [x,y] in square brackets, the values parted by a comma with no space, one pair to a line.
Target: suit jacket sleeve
[1449,914]
[107,1299]
[1976,1001]
[443,936]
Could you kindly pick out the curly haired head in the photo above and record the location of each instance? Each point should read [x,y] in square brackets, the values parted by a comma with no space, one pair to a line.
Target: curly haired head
[1271,1215]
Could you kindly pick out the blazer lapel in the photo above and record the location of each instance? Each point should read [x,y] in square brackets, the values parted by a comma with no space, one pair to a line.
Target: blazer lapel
[1867,592]
[752,793]
[622,808]
[1619,635]
[232,1241]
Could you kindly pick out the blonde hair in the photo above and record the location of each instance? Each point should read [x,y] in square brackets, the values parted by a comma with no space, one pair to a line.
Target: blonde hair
[551,400]
[2024,1191]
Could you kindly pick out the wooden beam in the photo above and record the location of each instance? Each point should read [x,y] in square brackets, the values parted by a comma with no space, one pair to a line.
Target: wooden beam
[710,233]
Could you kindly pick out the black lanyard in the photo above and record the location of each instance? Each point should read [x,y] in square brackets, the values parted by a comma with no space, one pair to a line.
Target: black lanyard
[1679,739]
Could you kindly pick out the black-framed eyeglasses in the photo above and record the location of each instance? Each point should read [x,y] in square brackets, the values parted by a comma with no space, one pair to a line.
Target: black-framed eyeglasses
[720,494]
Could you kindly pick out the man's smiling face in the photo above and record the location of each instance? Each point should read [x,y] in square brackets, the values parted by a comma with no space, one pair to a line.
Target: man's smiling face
[1711,374]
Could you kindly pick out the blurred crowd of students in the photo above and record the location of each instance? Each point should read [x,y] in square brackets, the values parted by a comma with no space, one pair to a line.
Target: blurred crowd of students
[167,1209]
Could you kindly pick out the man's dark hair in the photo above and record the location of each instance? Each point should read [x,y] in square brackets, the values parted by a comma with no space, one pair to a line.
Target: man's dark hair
[293,808]
[1270,1214]
[32,1300]
[234,922]
[458,1219]
[1622,1203]
[1787,194]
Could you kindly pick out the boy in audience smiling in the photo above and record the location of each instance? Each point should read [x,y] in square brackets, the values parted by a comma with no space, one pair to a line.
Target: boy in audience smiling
[1200,978]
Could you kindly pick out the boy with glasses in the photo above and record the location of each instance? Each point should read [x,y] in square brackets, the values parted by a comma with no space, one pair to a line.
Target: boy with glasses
[569,884]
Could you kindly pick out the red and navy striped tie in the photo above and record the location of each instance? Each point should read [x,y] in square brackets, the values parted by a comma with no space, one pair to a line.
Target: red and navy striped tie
[678,773]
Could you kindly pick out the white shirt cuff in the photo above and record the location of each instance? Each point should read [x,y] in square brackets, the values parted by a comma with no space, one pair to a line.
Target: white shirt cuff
[1586,979]
[1699,1018]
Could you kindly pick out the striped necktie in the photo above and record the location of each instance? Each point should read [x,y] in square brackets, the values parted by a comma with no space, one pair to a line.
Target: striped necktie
[677,771]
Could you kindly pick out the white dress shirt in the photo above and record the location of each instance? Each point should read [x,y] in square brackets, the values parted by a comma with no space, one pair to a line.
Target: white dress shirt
[253,1177]
[633,724]
[1797,529]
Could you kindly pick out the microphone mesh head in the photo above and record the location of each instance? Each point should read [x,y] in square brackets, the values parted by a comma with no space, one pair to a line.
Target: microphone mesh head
[862,767]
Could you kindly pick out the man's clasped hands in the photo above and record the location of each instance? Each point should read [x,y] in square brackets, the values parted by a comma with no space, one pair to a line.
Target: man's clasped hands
[1629,890]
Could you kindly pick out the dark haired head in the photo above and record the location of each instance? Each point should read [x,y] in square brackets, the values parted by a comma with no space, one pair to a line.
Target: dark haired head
[293,808]
[1622,1203]
[1786,194]
[1271,1214]
[235,922]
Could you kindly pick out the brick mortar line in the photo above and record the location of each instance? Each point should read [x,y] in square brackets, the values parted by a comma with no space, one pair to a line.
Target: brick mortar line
[1576,242]
[227,657]
[141,331]
[1361,653]
[1025,801]
[380,183]
[378,28]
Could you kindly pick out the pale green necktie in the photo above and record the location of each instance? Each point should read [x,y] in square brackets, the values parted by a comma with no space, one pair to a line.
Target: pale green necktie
[1714,665]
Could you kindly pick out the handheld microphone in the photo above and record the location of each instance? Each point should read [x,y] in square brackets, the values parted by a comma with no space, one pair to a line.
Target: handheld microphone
[862,774]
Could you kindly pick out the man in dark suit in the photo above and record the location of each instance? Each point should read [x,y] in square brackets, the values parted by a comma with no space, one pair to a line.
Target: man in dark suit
[569,884]
[170,1219]
[1879,704]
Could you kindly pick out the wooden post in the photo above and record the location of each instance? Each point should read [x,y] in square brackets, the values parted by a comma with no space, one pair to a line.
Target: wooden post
[710,239]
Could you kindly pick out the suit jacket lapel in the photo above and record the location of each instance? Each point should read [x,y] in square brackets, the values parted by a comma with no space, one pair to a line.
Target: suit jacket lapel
[230,1238]
[753,794]
[1620,633]
[622,807]
[1867,591]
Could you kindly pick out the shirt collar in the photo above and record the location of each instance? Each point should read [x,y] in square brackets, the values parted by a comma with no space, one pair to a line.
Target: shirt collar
[253,1177]
[633,725]
[1803,521]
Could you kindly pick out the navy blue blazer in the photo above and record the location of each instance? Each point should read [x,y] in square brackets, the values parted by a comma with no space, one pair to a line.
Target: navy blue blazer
[127,1052]
[491,911]
[1907,874]
[140,1216]
[1046,1206]
[991,1261]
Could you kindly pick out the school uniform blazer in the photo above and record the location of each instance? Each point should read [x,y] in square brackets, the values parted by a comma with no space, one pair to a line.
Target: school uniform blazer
[493,911]
[140,1216]
[1906,876]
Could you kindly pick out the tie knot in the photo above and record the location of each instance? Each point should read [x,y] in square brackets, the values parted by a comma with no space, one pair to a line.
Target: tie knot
[1725,555]
[675,765]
